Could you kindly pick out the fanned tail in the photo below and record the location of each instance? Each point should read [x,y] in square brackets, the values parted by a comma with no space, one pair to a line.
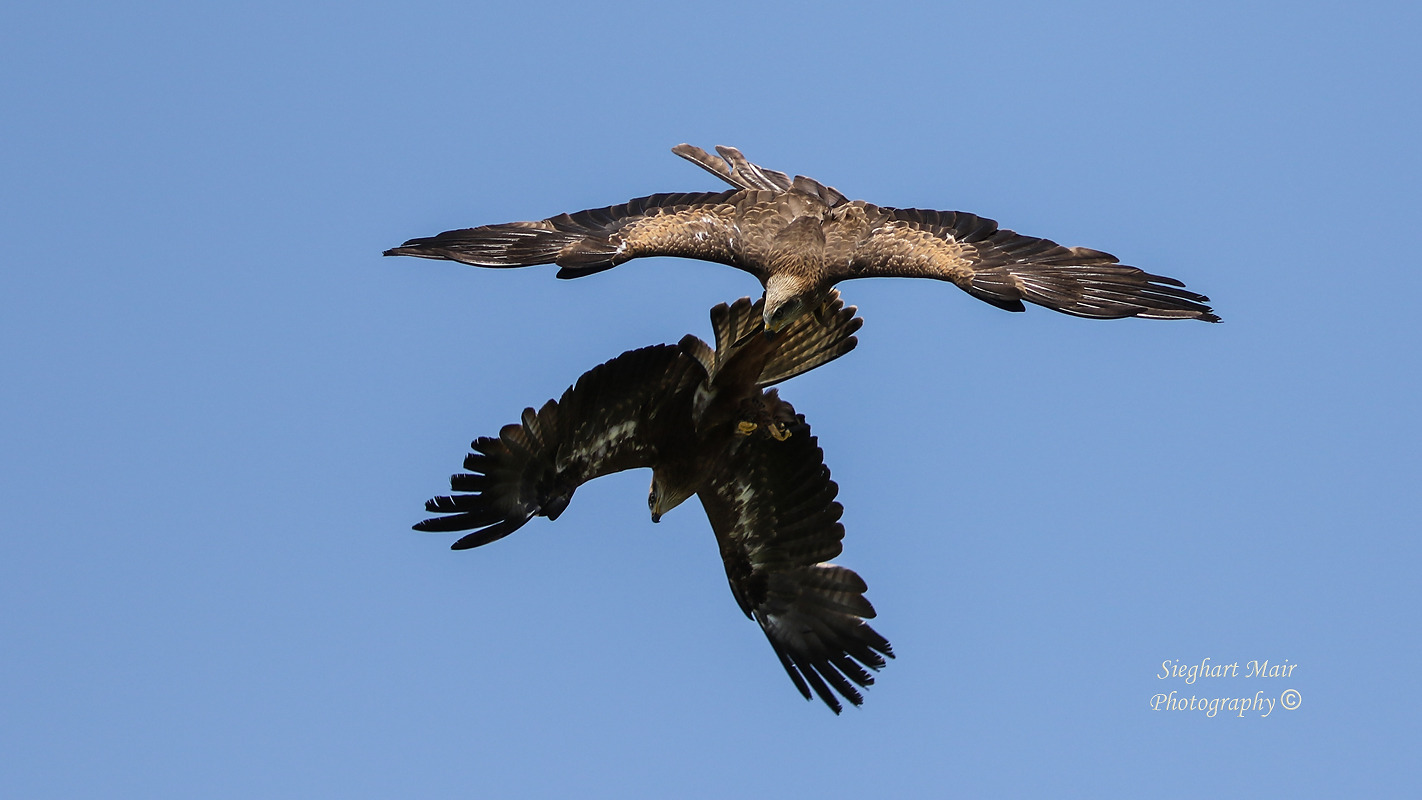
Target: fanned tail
[812,340]
[809,341]
[735,169]
[731,324]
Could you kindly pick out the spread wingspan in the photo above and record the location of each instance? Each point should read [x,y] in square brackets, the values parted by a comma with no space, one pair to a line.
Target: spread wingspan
[799,237]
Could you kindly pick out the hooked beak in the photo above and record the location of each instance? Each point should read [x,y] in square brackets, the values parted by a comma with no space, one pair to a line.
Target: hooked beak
[656,517]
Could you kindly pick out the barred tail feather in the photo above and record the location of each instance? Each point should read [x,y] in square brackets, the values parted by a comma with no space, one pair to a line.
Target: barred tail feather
[809,341]
[733,168]
[813,340]
[732,323]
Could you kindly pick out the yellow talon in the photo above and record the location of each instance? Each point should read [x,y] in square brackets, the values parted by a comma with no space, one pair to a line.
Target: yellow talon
[778,433]
[746,428]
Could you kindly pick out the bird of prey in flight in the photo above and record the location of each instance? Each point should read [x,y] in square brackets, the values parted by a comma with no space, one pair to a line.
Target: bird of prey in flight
[703,421]
[799,237]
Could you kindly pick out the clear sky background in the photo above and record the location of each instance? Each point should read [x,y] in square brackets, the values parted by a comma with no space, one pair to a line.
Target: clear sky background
[221,409]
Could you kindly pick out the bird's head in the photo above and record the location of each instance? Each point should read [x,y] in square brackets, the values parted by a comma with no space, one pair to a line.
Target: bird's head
[785,302]
[665,494]
[784,315]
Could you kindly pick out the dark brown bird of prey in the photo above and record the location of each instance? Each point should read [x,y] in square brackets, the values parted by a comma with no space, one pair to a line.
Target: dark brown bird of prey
[704,423]
[799,237]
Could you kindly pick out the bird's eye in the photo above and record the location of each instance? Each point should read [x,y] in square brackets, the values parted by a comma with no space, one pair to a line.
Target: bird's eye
[652,498]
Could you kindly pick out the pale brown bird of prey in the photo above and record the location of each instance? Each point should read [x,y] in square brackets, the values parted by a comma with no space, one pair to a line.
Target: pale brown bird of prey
[799,237]
[704,423]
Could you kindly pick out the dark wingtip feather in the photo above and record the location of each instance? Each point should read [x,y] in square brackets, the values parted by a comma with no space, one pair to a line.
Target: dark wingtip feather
[446,524]
[490,534]
[410,248]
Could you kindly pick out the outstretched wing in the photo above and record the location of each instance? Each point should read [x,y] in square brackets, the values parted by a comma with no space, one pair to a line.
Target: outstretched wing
[619,415]
[695,225]
[1004,268]
[771,504]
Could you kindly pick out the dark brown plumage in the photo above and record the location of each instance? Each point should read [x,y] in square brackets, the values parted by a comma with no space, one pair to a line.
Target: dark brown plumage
[800,237]
[703,421]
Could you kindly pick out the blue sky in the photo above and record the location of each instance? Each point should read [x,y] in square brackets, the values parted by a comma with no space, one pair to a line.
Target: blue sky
[222,409]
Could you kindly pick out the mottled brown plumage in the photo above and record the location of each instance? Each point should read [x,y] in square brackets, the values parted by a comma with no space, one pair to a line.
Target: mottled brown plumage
[702,419]
[799,237]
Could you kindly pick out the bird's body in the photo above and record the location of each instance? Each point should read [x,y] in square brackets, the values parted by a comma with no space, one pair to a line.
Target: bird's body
[704,422]
[799,238]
